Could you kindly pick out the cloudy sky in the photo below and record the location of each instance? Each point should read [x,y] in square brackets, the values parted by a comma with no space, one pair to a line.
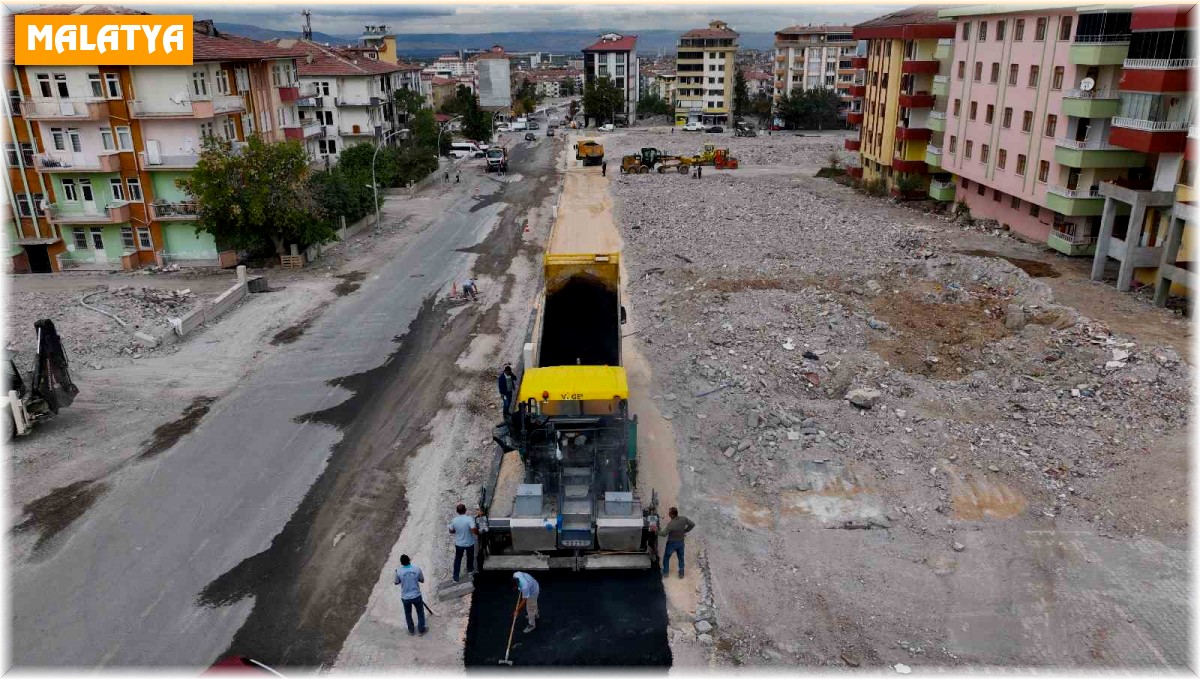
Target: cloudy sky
[348,19]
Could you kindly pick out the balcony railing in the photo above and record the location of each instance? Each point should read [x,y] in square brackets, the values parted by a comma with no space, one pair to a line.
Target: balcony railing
[1151,125]
[228,103]
[941,79]
[64,109]
[104,162]
[1159,64]
[1073,193]
[116,213]
[1086,144]
[940,185]
[946,41]
[169,162]
[1194,132]
[933,150]
[937,115]
[1109,38]
[357,101]
[309,90]
[1091,94]
[174,211]
[1068,233]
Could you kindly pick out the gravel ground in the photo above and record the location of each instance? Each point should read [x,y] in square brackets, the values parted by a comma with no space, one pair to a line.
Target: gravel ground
[773,150]
[826,354]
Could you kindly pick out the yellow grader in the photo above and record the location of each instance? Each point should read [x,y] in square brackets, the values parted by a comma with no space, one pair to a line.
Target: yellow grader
[650,158]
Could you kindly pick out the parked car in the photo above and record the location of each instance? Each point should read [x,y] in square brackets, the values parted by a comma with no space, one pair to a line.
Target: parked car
[607,127]
[534,125]
[714,128]
[550,132]
[529,136]
[693,127]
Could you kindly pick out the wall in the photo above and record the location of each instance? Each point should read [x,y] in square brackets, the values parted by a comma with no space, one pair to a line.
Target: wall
[175,137]
[78,86]
[182,242]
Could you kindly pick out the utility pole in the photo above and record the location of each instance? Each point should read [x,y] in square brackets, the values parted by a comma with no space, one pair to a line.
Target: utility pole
[306,29]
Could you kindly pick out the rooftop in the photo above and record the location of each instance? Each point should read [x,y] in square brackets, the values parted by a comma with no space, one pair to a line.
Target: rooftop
[613,42]
[912,23]
[316,59]
[810,29]
[716,29]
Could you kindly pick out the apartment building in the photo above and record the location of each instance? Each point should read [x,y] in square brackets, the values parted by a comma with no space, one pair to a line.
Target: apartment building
[704,70]
[894,97]
[758,83]
[108,144]
[663,86]
[1147,217]
[549,82]
[614,56]
[380,38]
[813,57]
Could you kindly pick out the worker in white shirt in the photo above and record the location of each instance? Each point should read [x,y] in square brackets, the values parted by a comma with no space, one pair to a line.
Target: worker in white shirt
[529,589]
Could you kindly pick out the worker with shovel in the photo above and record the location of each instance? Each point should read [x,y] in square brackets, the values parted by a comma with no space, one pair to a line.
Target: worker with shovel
[529,590]
[410,577]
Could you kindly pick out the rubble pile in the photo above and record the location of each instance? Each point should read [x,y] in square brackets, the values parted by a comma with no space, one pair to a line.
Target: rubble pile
[808,152]
[791,327]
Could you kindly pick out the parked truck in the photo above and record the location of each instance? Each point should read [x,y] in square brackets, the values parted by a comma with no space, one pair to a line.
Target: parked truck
[589,151]
[497,159]
[563,489]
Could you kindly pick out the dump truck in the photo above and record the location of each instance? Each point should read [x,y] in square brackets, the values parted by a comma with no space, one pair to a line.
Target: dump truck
[563,489]
[589,151]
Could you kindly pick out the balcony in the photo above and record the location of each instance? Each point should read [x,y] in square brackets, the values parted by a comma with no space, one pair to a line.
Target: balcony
[1158,64]
[943,191]
[1091,104]
[945,47]
[64,109]
[289,93]
[854,117]
[310,102]
[361,131]
[309,90]
[1065,238]
[1156,75]
[931,66]
[105,162]
[228,103]
[902,165]
[1074,202]
[916,100]
[852,144]
[858,62]
[913,133]
[195,108]
[85,260]
[1095,154]
[115,213]
[933,156]
[1149,136]
[357,101]
[1099,50]
[174,212]
[941,85]
[858,91]
[936,121]
[172,162]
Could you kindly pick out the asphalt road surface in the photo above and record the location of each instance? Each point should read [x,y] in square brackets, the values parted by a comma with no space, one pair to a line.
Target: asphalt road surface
[263,531]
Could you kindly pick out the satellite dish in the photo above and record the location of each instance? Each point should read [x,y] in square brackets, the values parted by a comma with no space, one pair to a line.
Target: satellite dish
[1087,84]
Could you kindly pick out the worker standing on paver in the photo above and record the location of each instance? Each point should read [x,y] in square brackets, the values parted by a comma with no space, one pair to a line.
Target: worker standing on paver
[464,530]
[604,168]
[457,176]
[699,171]
[529,589]
[675,530]
[506,383]
[409,577]
[446,176]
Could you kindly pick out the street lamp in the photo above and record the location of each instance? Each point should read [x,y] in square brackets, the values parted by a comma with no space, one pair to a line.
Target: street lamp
[374,183]
[438,153]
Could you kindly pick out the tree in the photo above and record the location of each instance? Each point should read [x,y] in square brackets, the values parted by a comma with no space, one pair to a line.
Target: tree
[357,159]
[760,107]
[408,102]
[566,87]
[425,133]
[526,98]
[256,197]
[653,105]
[602,100]
[741,95]
[809,109]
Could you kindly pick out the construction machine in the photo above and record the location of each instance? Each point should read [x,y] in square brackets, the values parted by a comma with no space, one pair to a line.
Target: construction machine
[589,151]
[563,489]
[643,162]
[49,386]
[718,158]
[744,129]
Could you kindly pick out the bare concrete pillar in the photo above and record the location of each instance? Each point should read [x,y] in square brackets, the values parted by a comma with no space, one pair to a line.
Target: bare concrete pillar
[1162,285]
[1133,241]
[241,273]
[1107,217]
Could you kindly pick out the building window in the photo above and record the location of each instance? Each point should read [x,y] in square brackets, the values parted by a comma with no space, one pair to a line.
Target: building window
[1051,124]
[23,207]
[80,238]
[145,242]
[1034,73]
[127,238]
[69,193]
[124,139]
[1014,203]
[1019,31]
[229,128]
[112,85]
[1012,74]
[118,189]
[1034,210]
[953,144]
[1043,171]
[974,108]
[10,150]
[957,107]
[96,84]
[1006,122]
[27,154]
[995,73]
[996,195]
[1027,122]
[967,150]
[1039,33]
[1000,30]
[1001,158]
[57,139]
[221,78]
[106,139]
[327,147]
[60,82]
[43,81]
[135,189]
[978,71]
[980,189]
[965,183]
[984,152]
[962,70]
[989,114]
[982,31]
[1056,83]
[1064,29]
[199,84]
[206,130]
[1021,164]
[966,30]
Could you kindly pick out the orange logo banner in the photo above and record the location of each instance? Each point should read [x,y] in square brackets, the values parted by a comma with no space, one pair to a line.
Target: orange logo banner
[103,40]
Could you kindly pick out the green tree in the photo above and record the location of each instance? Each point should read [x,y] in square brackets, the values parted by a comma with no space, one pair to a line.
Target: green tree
[407,102]
[760,107]
[357,159]
[809,109]
[425,129]
[741,95]
[602,100]
[526,98]
[256,197]
[566,87]
[653,105]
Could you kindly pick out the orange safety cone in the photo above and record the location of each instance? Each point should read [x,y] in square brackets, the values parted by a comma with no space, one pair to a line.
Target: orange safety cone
[526,226]
[454,289]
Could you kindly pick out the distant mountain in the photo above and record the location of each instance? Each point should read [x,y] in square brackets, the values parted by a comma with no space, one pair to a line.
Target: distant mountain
[431,44]
[259,33]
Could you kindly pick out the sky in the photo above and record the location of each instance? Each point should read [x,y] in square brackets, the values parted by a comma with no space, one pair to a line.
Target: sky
[348,19]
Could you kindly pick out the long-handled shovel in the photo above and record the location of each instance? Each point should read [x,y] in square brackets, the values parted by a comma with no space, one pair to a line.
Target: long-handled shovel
[511,629]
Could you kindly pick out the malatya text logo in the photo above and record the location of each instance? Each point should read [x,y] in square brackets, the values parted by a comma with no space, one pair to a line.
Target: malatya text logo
[103,40]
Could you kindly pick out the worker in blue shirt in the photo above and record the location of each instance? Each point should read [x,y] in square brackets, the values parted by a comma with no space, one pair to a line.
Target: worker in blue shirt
[410,577]
[529,589]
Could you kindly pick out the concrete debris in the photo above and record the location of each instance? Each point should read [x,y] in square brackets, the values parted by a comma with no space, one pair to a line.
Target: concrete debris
[448,589]
[864,398]
[958,547]
[902,668]
[877,324]
[705,639]
[703,626]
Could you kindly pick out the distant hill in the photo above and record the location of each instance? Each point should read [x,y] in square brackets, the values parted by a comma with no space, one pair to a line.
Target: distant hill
[259,33]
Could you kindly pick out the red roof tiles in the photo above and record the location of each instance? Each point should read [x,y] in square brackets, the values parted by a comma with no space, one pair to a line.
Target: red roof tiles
[626,43]
[316,59]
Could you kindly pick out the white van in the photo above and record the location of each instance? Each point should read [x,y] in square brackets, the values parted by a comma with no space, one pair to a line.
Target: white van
[465,149]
